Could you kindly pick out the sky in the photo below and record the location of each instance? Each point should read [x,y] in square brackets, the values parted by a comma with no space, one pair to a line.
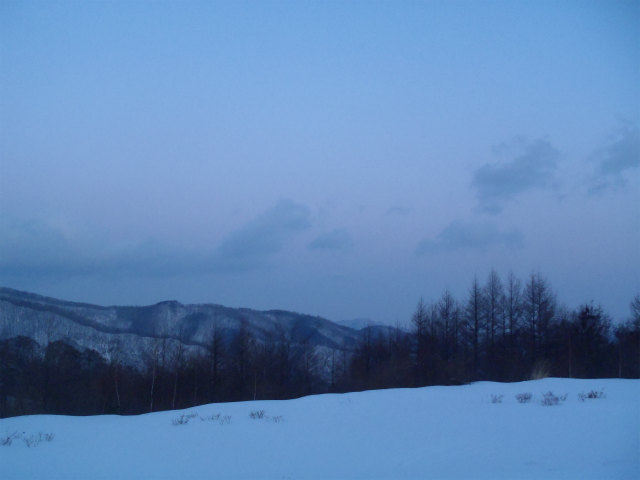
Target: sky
[341,159]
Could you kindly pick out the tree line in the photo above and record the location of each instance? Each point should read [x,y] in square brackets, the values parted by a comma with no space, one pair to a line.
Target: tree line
[502,330]
[60,379]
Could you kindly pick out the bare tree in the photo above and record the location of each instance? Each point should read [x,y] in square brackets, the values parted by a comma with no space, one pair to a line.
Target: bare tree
[284,357]
[539,309]
[473,320]
[628,342]
[153,355]
[420,322]
[114,350]
[591,327]
[177,358]
[494,296]
[216,350]
[448,320]
[635,309]
[242,351]
[512,305]
[419,319]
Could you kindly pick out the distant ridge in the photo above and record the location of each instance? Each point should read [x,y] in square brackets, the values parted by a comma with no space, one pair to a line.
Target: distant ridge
[133,328]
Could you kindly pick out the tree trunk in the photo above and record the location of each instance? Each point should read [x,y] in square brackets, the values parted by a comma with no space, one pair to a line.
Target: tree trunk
[175,391]
[115,379]
[153,384]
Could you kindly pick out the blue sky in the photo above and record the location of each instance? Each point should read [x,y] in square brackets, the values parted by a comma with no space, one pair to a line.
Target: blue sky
[334,158]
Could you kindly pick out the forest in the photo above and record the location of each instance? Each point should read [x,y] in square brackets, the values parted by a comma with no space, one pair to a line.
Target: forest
[504,330]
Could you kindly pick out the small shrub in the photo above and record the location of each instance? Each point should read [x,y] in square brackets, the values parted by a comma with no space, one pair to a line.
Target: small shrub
[496,398]
[181,420]
[184,418]
[549,399]
[277,419]
[35,439]
[591,395]
[7,439]
[524,397]
[31,441]
[225,420]
[256,415]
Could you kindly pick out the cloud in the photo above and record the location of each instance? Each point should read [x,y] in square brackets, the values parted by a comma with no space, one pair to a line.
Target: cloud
[338,239]
[498,183]
[615,159]
[479,236]
[35,248]
[257,242]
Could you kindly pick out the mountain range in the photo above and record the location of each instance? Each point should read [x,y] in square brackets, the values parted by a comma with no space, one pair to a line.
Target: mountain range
[130,331]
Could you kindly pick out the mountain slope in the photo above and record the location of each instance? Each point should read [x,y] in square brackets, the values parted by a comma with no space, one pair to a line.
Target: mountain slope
[132,330]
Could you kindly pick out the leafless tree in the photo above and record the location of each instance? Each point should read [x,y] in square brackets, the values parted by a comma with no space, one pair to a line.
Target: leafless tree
[473,319]
[635,309]
[512,305]
[216,349]
[177,358]
[153,355]
[494,300]
[114,351]
[447,313]
[539,304]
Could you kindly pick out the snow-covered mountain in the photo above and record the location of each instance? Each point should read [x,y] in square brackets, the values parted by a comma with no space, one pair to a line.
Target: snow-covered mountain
[477,431]
[132,330]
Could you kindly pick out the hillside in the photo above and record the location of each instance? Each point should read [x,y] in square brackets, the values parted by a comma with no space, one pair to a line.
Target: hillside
[132,329]
[432,432]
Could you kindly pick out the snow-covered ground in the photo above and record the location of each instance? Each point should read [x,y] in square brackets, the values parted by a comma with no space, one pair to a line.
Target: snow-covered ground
[433,432]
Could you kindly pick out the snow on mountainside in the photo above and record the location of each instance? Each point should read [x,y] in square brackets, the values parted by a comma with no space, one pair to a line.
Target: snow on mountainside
[358,323]
[475,431]
[132,329]
[376,328]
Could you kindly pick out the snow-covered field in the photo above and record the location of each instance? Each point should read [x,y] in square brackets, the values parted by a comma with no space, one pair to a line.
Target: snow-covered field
[433,432]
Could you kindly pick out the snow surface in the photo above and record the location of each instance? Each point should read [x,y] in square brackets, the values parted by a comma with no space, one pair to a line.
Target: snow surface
[432,432]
